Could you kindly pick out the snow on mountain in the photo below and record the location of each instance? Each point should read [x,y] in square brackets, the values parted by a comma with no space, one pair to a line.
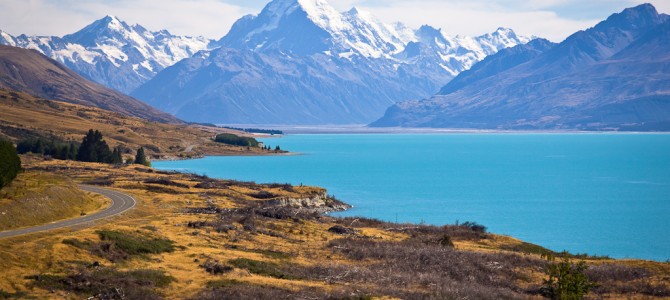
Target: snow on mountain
[113,53]
[303,62]
[613,76]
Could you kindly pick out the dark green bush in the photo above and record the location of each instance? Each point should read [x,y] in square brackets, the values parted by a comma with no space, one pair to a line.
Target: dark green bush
[135,244]
[10,163]
[566,280]
[231,139]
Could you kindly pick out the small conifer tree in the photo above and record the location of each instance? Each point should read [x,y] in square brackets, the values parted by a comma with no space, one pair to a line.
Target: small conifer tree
[141,158]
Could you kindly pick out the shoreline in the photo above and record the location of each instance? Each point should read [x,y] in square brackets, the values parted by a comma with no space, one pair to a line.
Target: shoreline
[364,129]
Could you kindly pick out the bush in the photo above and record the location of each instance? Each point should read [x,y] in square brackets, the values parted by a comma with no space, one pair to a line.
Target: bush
[10,163]
[135,244]
[231,139]
[566,280]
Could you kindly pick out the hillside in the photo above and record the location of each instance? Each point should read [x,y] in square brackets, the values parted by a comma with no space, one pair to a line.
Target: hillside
[36,198]
[193,237]
[24,116]
[31,72]
[610,77]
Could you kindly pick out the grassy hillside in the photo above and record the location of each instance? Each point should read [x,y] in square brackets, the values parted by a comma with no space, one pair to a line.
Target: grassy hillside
[192,237]
[24,116]
[36,198]
[31,72]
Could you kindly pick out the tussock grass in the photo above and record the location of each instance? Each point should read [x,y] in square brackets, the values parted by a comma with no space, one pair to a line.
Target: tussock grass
[261,268]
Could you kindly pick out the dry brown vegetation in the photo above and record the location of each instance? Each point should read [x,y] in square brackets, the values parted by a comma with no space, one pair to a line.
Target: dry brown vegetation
[24,116]
[192,237]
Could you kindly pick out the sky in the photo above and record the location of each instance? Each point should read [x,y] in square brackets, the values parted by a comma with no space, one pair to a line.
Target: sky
[551,19]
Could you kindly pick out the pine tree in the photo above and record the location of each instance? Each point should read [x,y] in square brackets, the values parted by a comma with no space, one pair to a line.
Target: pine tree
[141,158]
[10,163]
[116,157]
[93,148]
[72,151]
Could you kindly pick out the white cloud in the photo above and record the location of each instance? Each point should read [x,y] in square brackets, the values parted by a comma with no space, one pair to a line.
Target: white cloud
[210,18]
[553,19]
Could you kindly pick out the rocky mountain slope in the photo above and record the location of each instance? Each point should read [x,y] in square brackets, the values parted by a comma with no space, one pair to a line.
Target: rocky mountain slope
[614,76]
[303,62]
[33,73]
[113,53]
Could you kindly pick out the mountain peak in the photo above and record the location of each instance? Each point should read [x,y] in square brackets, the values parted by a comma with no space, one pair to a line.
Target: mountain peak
[641,16]
[111,22]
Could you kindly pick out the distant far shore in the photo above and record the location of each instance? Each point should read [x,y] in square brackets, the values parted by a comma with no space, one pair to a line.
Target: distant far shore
[364,129]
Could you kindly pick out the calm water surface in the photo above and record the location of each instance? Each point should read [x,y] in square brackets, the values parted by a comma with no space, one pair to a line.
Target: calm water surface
[603,194]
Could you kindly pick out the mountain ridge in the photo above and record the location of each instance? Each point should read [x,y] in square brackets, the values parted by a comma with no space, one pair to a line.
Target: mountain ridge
[580,83]
[113,53]
[31,72]
[303,62]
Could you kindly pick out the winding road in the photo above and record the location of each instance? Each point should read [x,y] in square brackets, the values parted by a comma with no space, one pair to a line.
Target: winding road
[120,204]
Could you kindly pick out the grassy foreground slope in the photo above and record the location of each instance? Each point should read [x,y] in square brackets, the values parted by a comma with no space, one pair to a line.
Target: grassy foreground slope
[193,237]
[24,116]
[35,198]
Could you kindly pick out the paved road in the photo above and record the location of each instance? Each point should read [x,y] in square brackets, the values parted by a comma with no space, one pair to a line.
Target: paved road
[120,203]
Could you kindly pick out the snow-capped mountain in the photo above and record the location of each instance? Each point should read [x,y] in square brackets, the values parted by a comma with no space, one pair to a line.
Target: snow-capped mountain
[302,61]
[613,76]
[113,53]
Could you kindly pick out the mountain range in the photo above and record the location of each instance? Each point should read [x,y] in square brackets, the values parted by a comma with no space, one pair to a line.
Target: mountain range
[113,53]
[303,62]
[614,76]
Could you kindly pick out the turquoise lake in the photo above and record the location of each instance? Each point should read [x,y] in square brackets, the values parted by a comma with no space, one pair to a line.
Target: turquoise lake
[601,194]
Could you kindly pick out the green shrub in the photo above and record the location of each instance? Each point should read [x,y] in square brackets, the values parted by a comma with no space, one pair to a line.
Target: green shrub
[231,139]
[566,280]
[10,163]
[133,244]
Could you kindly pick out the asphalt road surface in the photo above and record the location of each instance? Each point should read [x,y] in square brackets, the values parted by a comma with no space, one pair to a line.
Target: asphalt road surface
[120,203]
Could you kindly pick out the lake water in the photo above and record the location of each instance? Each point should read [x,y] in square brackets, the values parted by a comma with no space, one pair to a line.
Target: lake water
[601,194]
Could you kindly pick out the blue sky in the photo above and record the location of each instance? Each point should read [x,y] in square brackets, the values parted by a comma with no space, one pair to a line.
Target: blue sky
[552,19]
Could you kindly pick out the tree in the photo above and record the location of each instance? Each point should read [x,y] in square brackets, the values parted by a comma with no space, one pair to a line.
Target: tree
[116,157]
[93,148]
[72,151]
[141,158]
[10,163]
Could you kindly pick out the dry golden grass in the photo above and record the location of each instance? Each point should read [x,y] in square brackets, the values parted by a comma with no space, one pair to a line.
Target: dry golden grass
[35,198]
